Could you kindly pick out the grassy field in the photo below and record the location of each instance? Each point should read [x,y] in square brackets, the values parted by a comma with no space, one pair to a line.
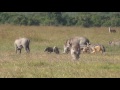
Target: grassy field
[39,64]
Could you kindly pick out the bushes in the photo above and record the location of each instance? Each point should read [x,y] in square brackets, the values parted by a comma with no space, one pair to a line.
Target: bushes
[85,19]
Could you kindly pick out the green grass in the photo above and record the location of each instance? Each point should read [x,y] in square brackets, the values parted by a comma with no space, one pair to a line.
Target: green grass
[39,64]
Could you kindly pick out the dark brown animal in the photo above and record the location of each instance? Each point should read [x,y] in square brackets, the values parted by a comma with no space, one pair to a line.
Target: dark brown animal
[52,49]
[48,49]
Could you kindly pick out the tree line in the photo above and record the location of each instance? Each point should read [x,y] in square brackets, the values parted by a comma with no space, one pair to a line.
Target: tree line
[85,19]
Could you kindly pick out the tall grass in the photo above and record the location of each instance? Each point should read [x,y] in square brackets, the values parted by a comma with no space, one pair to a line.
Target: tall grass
[39,64]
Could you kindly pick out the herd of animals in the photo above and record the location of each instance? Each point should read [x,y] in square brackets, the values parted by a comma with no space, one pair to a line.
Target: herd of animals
[74,45]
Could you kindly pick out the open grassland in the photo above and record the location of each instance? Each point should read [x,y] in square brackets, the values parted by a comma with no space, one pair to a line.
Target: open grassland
[39,64]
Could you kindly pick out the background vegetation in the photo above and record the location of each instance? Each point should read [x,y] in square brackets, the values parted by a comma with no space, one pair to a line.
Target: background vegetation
[85,19]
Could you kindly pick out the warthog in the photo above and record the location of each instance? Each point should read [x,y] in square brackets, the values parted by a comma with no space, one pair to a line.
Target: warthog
[82,41]
[114,43]
[74,47]
[22,43]
[95,48]
[52,49]
[75,51]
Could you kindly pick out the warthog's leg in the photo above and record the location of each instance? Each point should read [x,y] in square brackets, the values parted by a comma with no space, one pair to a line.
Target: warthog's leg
[20,51]
[28,49]
[25,47]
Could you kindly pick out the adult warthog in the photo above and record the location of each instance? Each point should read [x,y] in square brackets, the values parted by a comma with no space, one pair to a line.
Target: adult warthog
[74,47]
[22,43]
[114,43]
[81,40]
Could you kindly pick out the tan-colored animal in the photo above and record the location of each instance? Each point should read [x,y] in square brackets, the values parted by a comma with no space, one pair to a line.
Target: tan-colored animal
[93,48]
[112,30]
